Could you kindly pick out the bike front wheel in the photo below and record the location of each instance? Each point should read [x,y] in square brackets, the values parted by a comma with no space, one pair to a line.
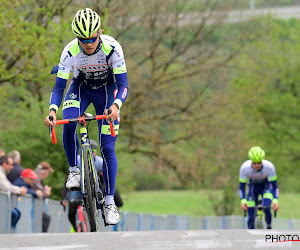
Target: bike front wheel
[90,189]
[259,223]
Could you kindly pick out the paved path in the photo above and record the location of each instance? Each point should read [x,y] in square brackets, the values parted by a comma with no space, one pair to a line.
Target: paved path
[152,240]
[243,15]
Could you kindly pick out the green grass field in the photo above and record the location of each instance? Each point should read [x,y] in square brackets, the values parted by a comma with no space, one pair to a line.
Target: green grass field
[195,203]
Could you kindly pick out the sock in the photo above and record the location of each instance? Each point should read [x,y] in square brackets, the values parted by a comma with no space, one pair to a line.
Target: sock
[74,169]
[109,199]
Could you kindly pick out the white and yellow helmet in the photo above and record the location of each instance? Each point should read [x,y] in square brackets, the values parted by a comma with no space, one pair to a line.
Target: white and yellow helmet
[85,23]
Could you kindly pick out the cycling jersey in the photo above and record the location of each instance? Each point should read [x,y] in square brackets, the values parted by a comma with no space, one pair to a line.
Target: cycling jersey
[100,79]
[106,66]
[266,175]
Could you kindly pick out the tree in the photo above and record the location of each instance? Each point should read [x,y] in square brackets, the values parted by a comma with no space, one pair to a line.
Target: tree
[270,95]
[176,54]
[30,47]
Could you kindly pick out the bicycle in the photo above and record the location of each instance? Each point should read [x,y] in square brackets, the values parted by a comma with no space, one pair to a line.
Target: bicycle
[90,186]
[80,220]
[258,210]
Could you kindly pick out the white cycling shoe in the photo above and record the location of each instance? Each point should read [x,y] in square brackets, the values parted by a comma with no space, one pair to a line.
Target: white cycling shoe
[73,180]
[111,213]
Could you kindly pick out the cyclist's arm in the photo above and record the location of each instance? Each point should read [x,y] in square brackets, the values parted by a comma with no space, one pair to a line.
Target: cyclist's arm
[272,178]
[242,191]
[120,72]
[243,180]
[57,94]
[63,70]
[274,190]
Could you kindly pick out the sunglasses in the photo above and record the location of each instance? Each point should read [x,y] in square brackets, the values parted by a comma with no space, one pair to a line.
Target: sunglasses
[86,41]
[256,163]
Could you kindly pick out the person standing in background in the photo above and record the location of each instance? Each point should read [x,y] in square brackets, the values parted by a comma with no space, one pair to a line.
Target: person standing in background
[6,165]
[42,171]
[26,179]
[17,168]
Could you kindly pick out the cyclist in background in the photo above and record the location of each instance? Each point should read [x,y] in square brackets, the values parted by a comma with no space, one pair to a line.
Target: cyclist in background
[261,177]
[100,78]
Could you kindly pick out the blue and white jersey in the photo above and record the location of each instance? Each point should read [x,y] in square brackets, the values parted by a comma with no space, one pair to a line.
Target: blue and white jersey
[106,66]
[267,172]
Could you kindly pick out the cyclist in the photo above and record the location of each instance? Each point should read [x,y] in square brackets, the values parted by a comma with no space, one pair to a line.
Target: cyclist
[100,78]
[261,177]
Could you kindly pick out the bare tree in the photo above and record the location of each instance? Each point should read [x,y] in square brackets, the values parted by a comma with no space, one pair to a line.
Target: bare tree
[174,70]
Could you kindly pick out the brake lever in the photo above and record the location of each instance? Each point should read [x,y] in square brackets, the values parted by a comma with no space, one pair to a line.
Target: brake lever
[111,119]
[50,127]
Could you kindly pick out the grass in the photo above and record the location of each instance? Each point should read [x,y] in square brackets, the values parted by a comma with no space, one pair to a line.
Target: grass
[195,203]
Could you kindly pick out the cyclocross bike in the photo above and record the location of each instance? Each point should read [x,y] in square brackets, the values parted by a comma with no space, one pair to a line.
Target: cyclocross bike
[93,197]
[259,213]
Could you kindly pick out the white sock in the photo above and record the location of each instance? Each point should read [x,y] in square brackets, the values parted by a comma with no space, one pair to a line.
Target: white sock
[109,199]
[74,169]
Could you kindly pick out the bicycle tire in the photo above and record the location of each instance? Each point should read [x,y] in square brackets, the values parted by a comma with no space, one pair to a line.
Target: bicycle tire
[90,187]
[102,198]
[259,222]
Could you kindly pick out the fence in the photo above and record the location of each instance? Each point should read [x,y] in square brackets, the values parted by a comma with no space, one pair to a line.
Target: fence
[32,209]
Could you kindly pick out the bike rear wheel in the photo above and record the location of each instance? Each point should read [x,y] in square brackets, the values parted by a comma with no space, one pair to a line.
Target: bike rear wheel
[90,189]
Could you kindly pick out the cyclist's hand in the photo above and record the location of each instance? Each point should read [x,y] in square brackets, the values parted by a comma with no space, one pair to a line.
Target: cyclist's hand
[114,112]
[47,120]
[275,207]
[23,190]
[244,206]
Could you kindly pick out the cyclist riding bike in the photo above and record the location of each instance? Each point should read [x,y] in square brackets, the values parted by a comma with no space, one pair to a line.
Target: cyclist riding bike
[261,177]
[100,78]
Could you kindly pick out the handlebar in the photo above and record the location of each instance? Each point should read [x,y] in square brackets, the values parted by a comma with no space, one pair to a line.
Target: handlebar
[260,208]
[81,119]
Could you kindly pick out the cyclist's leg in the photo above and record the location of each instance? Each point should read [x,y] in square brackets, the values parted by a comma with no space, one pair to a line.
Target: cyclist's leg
[106,141]
[251,214]
[251,204]
[107,147]
[267,201]
[76,102]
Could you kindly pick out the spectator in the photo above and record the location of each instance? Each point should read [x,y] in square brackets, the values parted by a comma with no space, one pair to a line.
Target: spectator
[17,168]
[27,179]
[42,171]
[6,165]
[2,152]
[74,199]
